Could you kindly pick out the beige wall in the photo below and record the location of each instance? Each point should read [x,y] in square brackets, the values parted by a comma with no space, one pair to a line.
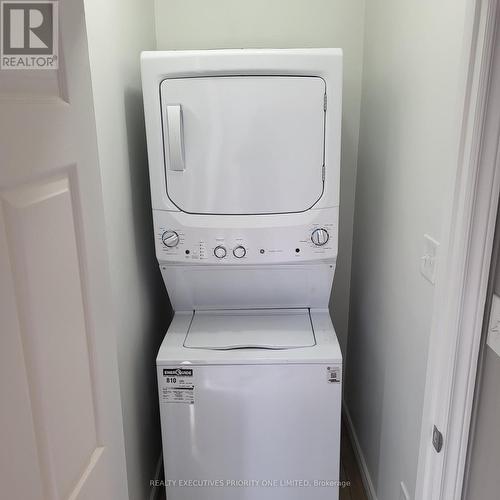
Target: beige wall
[117,31]
[202,24]
[408,151]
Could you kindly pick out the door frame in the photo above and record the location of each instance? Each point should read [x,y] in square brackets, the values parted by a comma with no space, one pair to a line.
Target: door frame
[463,273]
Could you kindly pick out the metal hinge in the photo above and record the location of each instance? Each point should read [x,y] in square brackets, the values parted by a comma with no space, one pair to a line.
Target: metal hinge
[325,102]
[437,439]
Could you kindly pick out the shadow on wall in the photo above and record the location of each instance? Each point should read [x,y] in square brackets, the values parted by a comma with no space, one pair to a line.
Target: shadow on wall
[142,217]
[156,302]
[339,299]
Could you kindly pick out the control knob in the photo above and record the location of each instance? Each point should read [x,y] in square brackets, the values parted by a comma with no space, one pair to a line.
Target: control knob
[170,239]
[239,252]
[320,237]
[220,252]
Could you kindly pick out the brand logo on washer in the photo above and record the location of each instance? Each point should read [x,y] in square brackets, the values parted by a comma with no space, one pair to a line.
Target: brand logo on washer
[177,372]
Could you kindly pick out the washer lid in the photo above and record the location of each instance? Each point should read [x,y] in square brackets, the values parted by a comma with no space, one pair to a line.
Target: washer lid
[258,329]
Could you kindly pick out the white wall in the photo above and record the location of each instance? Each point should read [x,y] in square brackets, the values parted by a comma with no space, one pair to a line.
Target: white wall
[117,31]
[202,24]
[407,156]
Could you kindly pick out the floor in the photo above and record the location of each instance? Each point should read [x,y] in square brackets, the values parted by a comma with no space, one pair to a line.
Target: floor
[349,471]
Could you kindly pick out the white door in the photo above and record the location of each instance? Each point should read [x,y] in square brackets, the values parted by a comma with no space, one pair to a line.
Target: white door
[244,145]
[60,416]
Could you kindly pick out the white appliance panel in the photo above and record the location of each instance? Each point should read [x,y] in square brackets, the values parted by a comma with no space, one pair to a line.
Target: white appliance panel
[244,144]
[277,425]
[248,287]
[263,329]
[278,239]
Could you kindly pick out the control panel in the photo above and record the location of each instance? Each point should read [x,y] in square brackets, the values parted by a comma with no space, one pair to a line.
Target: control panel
[308,237]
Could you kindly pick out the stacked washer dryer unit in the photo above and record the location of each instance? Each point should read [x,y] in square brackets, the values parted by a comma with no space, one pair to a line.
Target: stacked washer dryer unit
[244,157]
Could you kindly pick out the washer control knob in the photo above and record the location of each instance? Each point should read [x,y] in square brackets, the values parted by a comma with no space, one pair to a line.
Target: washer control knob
[320,237]
[170,239]
[239,252]
[220,252]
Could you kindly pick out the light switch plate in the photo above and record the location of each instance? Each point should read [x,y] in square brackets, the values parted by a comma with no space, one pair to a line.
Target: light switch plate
[428,263]
[403,492]
[493,339]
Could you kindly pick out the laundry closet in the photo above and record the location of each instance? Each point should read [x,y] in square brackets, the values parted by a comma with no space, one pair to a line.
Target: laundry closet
[244,246]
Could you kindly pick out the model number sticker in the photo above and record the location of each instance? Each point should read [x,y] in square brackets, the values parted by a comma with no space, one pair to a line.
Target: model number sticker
[333,374]
[177,386]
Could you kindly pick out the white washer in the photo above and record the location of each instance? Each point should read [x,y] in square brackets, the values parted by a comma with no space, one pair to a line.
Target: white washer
[251,399]
[244,161]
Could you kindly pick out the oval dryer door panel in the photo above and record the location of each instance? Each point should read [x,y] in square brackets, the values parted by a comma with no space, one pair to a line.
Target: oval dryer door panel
[243,144]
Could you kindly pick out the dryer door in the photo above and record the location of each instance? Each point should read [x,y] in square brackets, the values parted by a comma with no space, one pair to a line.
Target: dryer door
[243,144]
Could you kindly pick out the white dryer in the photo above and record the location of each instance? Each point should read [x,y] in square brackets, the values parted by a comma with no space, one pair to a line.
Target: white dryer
[244,156]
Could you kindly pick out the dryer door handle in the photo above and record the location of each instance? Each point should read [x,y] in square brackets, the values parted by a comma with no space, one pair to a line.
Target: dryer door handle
[175,135]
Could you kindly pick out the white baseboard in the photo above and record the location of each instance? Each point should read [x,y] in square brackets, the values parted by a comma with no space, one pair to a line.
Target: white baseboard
[155,490]
[365,473]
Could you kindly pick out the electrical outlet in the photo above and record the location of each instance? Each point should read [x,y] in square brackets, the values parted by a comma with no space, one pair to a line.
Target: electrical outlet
[403,492]
[493,339]
[428,262]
